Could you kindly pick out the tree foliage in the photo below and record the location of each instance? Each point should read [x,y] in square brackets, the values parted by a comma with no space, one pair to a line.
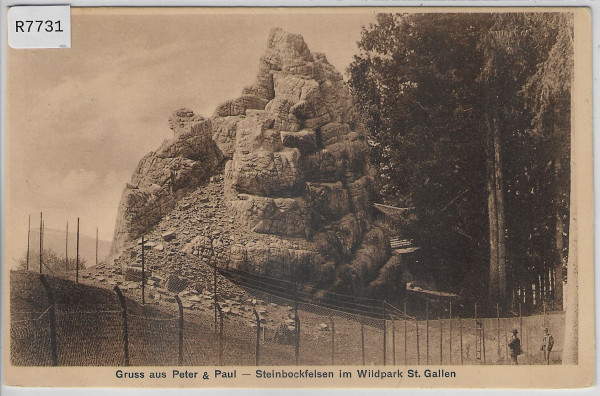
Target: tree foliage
[427,86]
[50,262]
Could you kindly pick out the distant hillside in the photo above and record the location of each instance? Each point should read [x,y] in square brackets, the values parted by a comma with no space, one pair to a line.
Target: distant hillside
[55,240]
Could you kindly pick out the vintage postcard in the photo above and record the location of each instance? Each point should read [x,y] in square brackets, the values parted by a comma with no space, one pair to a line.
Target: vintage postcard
[301,198]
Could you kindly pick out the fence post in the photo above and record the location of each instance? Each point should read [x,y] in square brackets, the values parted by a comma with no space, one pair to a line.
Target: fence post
[498,329]
[66,250]
[96,245]
[393,339]
[527,344]
[476,333]
[521,325]
[418,353]
[544,308]
[77,259]
[41,239]
[295,299]
[257,335]
[52,317]
[427,331]
[28,237]
[441,341]
[483,340]
[296,325]
[125,329]
[180,329]
[143,273]
[450,340]
[297,347]
[461,340]
[332,341]
[405,345]
[362,338]
[384,335]
[212,254]
[220,334]
[506,346]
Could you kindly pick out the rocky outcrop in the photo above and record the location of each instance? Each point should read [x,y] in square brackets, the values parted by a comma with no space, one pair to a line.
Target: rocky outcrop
[296,183]
[163,177]
[299,171]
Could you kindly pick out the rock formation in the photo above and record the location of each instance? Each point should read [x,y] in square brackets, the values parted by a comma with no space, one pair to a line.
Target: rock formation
[166,175]
[297,181]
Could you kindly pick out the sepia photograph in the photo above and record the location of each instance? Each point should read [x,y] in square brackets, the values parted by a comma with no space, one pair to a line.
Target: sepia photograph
[317,197]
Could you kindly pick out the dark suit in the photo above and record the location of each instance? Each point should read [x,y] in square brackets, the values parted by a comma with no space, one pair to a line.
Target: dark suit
[515,348]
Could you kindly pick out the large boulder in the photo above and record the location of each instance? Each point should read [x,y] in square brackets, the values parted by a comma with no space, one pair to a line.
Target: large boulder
[279,216]
[274,174]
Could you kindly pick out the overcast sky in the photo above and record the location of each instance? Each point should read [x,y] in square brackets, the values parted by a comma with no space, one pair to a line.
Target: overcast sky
[80,119]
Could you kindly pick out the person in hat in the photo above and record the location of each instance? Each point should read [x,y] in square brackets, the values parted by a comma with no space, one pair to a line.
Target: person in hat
[515,347]
[547,344]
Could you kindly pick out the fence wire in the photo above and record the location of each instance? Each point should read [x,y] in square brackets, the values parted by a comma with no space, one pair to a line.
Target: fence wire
[315,329]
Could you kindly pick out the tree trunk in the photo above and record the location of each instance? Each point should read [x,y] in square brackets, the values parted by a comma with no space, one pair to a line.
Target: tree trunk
[500,213]
[570,353]
[497,284]
[558,271]
[494,284]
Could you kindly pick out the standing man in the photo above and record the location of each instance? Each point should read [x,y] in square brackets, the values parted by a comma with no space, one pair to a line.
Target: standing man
[547,344]
[515,347]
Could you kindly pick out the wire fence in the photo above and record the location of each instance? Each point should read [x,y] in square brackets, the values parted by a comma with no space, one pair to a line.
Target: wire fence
[319,328]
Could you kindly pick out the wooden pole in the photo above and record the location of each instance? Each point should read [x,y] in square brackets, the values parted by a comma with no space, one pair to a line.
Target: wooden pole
[67,249]
[180,329]
[43,235]
[295,299]
[506,345]
[144,272]
[220,334]
[212,255]
[483,340]
[41,240]
[393,340]
[544,308]
[461,340]
[257,336]
[498,329]
[476,333]
[332,341]
[362,339]
[384,335]
[125,328]
[527,343]
[405,344]
[28,237]
[450,333]
[441,341]
[297,333]
[418,353]
[52,317]
[521,323]
[96,245]
[427,332]
[77,261]
[296,326]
